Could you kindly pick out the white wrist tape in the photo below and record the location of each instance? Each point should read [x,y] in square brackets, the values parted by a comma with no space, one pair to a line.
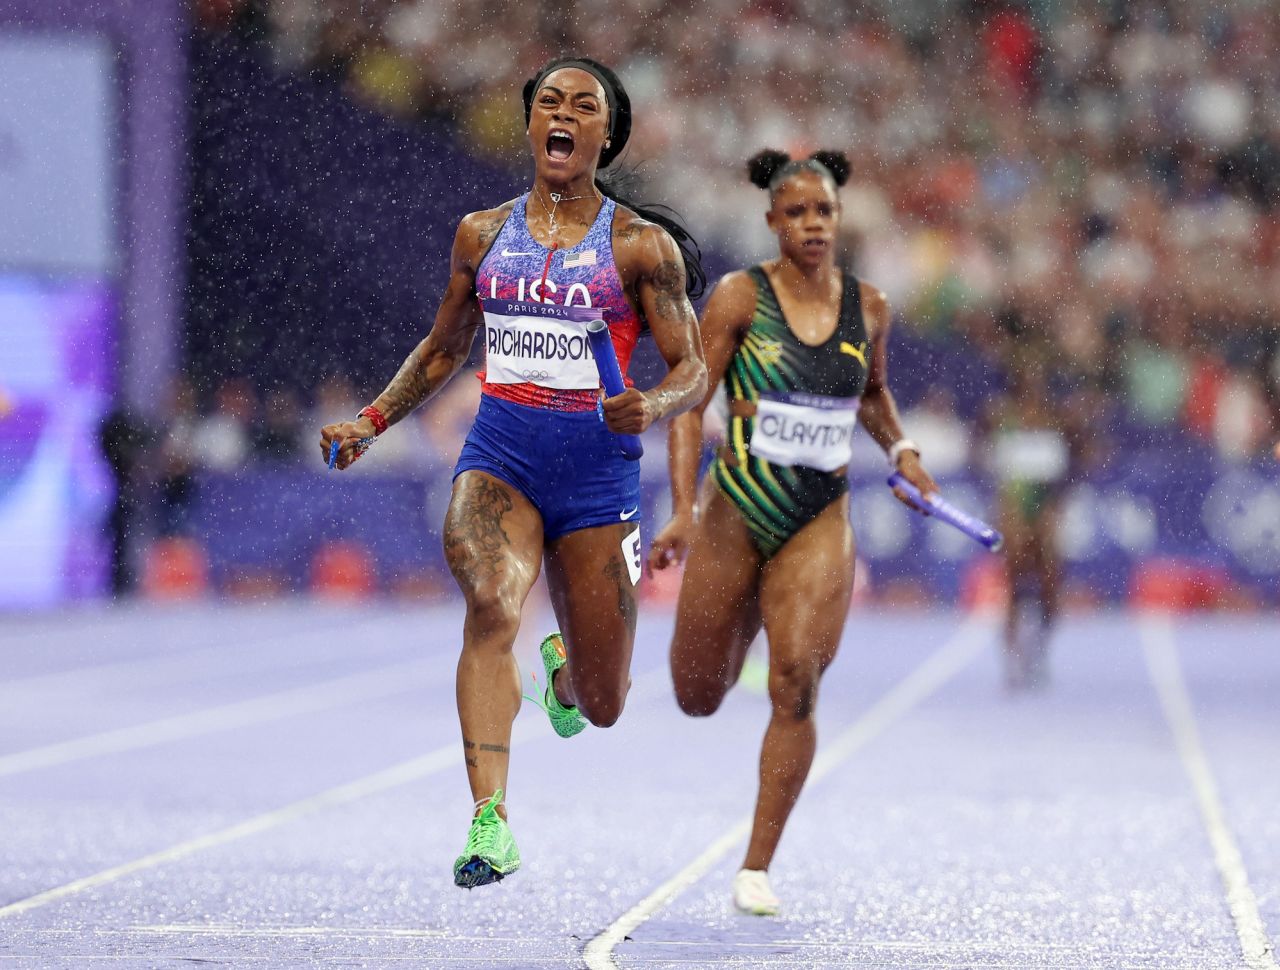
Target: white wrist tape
[898,447]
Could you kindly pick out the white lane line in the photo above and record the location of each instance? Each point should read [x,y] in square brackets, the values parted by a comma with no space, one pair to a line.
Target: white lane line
[182,666]
[1160,647]
[1030,951]
[229,643]
[233,930]
[413,961]
[940,666]
[392,777]
[56,632]
[325,695]
[530,728]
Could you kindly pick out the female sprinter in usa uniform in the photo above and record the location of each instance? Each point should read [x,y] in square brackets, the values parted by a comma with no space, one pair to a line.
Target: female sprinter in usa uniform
[541,478]
[801,348]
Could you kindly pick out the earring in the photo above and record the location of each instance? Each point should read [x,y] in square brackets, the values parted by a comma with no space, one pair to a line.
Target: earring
[607,143]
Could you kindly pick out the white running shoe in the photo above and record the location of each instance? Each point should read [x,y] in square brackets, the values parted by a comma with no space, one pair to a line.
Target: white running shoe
[752,893]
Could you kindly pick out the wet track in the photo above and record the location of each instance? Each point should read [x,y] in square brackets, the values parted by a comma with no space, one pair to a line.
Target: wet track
[272,787]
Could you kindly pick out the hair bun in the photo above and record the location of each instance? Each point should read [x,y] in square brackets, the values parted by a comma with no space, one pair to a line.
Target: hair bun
[763,165]
[837,163]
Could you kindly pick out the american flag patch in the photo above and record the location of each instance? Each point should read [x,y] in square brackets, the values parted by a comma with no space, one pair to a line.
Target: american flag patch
[585,258]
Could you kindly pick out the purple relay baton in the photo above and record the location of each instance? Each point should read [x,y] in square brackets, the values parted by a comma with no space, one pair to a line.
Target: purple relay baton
[974,528]
[611,378]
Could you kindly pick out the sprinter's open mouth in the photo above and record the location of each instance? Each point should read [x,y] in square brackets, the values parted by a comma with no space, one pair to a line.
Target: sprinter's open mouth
[559,145]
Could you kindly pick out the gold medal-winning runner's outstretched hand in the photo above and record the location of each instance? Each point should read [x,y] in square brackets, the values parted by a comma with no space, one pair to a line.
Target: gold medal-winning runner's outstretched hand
[350,434]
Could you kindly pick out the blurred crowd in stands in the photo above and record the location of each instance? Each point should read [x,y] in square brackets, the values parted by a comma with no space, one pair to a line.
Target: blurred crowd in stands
[1091,184]
[241,425]
[161,467]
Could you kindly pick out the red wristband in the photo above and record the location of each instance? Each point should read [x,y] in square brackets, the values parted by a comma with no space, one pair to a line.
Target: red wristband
[376,416]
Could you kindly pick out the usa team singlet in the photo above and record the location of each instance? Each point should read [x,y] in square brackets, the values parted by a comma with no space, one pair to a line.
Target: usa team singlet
[536,351]
[538,428]
[793,408]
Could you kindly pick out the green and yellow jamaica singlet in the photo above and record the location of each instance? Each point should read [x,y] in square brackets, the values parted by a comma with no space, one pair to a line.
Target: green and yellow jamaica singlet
[793,410]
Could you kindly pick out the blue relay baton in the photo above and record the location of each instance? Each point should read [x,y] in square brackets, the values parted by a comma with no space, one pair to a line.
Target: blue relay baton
[362,445]
[611,379]
[971,526]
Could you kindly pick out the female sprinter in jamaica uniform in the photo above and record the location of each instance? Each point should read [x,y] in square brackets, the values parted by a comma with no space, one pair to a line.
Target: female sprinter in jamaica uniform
[541,479]
[1033,456]
[801,348]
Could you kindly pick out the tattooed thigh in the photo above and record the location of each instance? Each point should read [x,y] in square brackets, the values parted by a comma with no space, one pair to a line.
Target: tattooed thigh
[475,542]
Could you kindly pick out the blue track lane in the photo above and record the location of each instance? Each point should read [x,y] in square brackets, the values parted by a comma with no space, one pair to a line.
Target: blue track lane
[1059,830]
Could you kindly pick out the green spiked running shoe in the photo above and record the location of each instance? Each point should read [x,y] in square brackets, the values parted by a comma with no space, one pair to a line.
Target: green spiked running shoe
[491,851]
[566,720]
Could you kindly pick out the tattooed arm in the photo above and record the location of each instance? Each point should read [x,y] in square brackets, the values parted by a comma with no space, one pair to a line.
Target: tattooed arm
[437,358]
[650,260]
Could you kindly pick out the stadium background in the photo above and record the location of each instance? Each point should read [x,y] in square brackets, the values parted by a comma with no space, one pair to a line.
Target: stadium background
[226,223]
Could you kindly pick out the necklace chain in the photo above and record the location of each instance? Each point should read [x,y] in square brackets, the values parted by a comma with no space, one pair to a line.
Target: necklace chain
[556,199]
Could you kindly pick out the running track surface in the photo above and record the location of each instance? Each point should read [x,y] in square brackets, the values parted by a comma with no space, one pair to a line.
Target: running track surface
[283,786]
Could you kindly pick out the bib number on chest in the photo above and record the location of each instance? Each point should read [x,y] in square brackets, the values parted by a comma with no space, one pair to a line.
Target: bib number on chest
[808,430]
[539,343]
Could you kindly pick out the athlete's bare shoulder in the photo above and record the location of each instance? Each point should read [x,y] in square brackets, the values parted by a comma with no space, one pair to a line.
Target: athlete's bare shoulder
[476,231]
[738,285]
[732,302]
[629,225]
[644,251]
[737,290]
[875,309]
[636,238]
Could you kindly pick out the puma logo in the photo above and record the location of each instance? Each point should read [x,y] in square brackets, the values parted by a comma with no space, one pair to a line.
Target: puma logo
[769,351]
[860,353]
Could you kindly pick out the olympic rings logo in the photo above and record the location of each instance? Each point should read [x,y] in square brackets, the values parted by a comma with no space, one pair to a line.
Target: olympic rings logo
[535,375]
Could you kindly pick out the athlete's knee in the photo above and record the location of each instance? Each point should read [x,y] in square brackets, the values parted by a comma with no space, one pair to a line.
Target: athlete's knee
[793,687]
[602,707]
[492,613]
[699,697]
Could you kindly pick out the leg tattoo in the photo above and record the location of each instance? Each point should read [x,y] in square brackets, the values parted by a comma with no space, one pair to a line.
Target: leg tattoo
[615,570]
[473,532]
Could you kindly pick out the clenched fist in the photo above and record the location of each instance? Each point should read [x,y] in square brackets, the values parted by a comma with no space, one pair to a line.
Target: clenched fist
[629,412]
[351,434]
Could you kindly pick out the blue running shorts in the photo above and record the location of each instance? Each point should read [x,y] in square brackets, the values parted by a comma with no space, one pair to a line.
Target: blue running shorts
[567,463]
